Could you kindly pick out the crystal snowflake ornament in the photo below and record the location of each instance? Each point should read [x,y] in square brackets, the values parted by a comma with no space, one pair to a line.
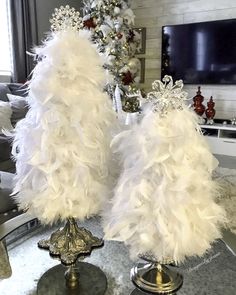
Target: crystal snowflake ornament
[167,96]
[65,18]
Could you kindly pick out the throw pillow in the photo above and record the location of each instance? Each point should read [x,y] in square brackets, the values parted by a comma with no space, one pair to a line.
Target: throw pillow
[5,152]
[19,107]
[4,90]
[18,89]
[5,116]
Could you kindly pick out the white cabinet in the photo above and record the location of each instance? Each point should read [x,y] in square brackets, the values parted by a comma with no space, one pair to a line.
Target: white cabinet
[221,138]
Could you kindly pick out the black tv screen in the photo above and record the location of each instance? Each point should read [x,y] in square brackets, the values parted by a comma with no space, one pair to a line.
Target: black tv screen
[200,53]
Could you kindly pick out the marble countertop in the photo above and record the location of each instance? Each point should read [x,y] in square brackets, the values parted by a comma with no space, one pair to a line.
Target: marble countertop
[213,274]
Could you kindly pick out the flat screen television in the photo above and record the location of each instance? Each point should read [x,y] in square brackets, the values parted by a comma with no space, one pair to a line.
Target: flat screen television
[200,53]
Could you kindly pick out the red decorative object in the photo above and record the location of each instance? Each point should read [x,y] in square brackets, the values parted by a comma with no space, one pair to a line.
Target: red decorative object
[199,108]
[131,35]
[210,111]
[127,78]
[89,23]
[119,35]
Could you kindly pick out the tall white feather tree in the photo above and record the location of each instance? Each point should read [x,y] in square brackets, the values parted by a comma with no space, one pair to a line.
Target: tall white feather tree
[62,147]
[164,202]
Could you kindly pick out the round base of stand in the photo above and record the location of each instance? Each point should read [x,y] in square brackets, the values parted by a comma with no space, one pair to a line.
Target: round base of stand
[155,278]
[92,281]
[139,292]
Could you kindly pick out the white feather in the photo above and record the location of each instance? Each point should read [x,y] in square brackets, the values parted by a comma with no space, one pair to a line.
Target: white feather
[62,147]
[164,202]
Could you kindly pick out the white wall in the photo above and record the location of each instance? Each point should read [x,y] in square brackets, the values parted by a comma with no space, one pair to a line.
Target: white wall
[153,14]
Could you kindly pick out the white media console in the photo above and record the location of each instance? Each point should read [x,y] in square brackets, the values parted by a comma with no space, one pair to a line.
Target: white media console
[221,138]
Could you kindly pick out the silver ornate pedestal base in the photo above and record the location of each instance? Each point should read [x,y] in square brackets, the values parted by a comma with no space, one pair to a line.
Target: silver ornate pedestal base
[68,244]
[155,278]
[92,281]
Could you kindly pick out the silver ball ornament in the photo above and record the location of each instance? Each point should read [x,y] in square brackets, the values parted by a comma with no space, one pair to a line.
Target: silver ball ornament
[134,65]
[116,10]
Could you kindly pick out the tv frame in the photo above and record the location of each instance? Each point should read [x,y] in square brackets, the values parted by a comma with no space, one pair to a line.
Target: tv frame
[193,23]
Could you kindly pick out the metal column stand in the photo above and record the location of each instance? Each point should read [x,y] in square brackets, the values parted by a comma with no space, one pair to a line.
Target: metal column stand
[155,278]
[71,277]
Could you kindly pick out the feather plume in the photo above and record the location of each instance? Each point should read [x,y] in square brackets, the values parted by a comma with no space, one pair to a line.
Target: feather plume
[62,147]
[164,201]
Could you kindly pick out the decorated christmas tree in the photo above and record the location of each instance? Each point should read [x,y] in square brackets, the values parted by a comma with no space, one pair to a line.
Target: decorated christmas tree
[111,23]
[62,146]
[164,202]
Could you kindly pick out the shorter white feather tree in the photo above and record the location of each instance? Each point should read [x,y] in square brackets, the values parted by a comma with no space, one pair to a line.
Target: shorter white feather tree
[164,202]
[62,147]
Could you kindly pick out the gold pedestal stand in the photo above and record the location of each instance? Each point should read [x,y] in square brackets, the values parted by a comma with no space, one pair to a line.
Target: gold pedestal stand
[72,278]
[155,278]
[139,292]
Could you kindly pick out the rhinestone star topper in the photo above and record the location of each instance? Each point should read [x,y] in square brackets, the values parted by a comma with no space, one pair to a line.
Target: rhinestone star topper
[167,96]
[65,18]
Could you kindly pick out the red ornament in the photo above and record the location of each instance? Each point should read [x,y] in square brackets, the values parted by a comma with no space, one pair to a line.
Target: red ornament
[119,35]
[210,111]
[199,108]
[131,35]
[89,23]
[127,78]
